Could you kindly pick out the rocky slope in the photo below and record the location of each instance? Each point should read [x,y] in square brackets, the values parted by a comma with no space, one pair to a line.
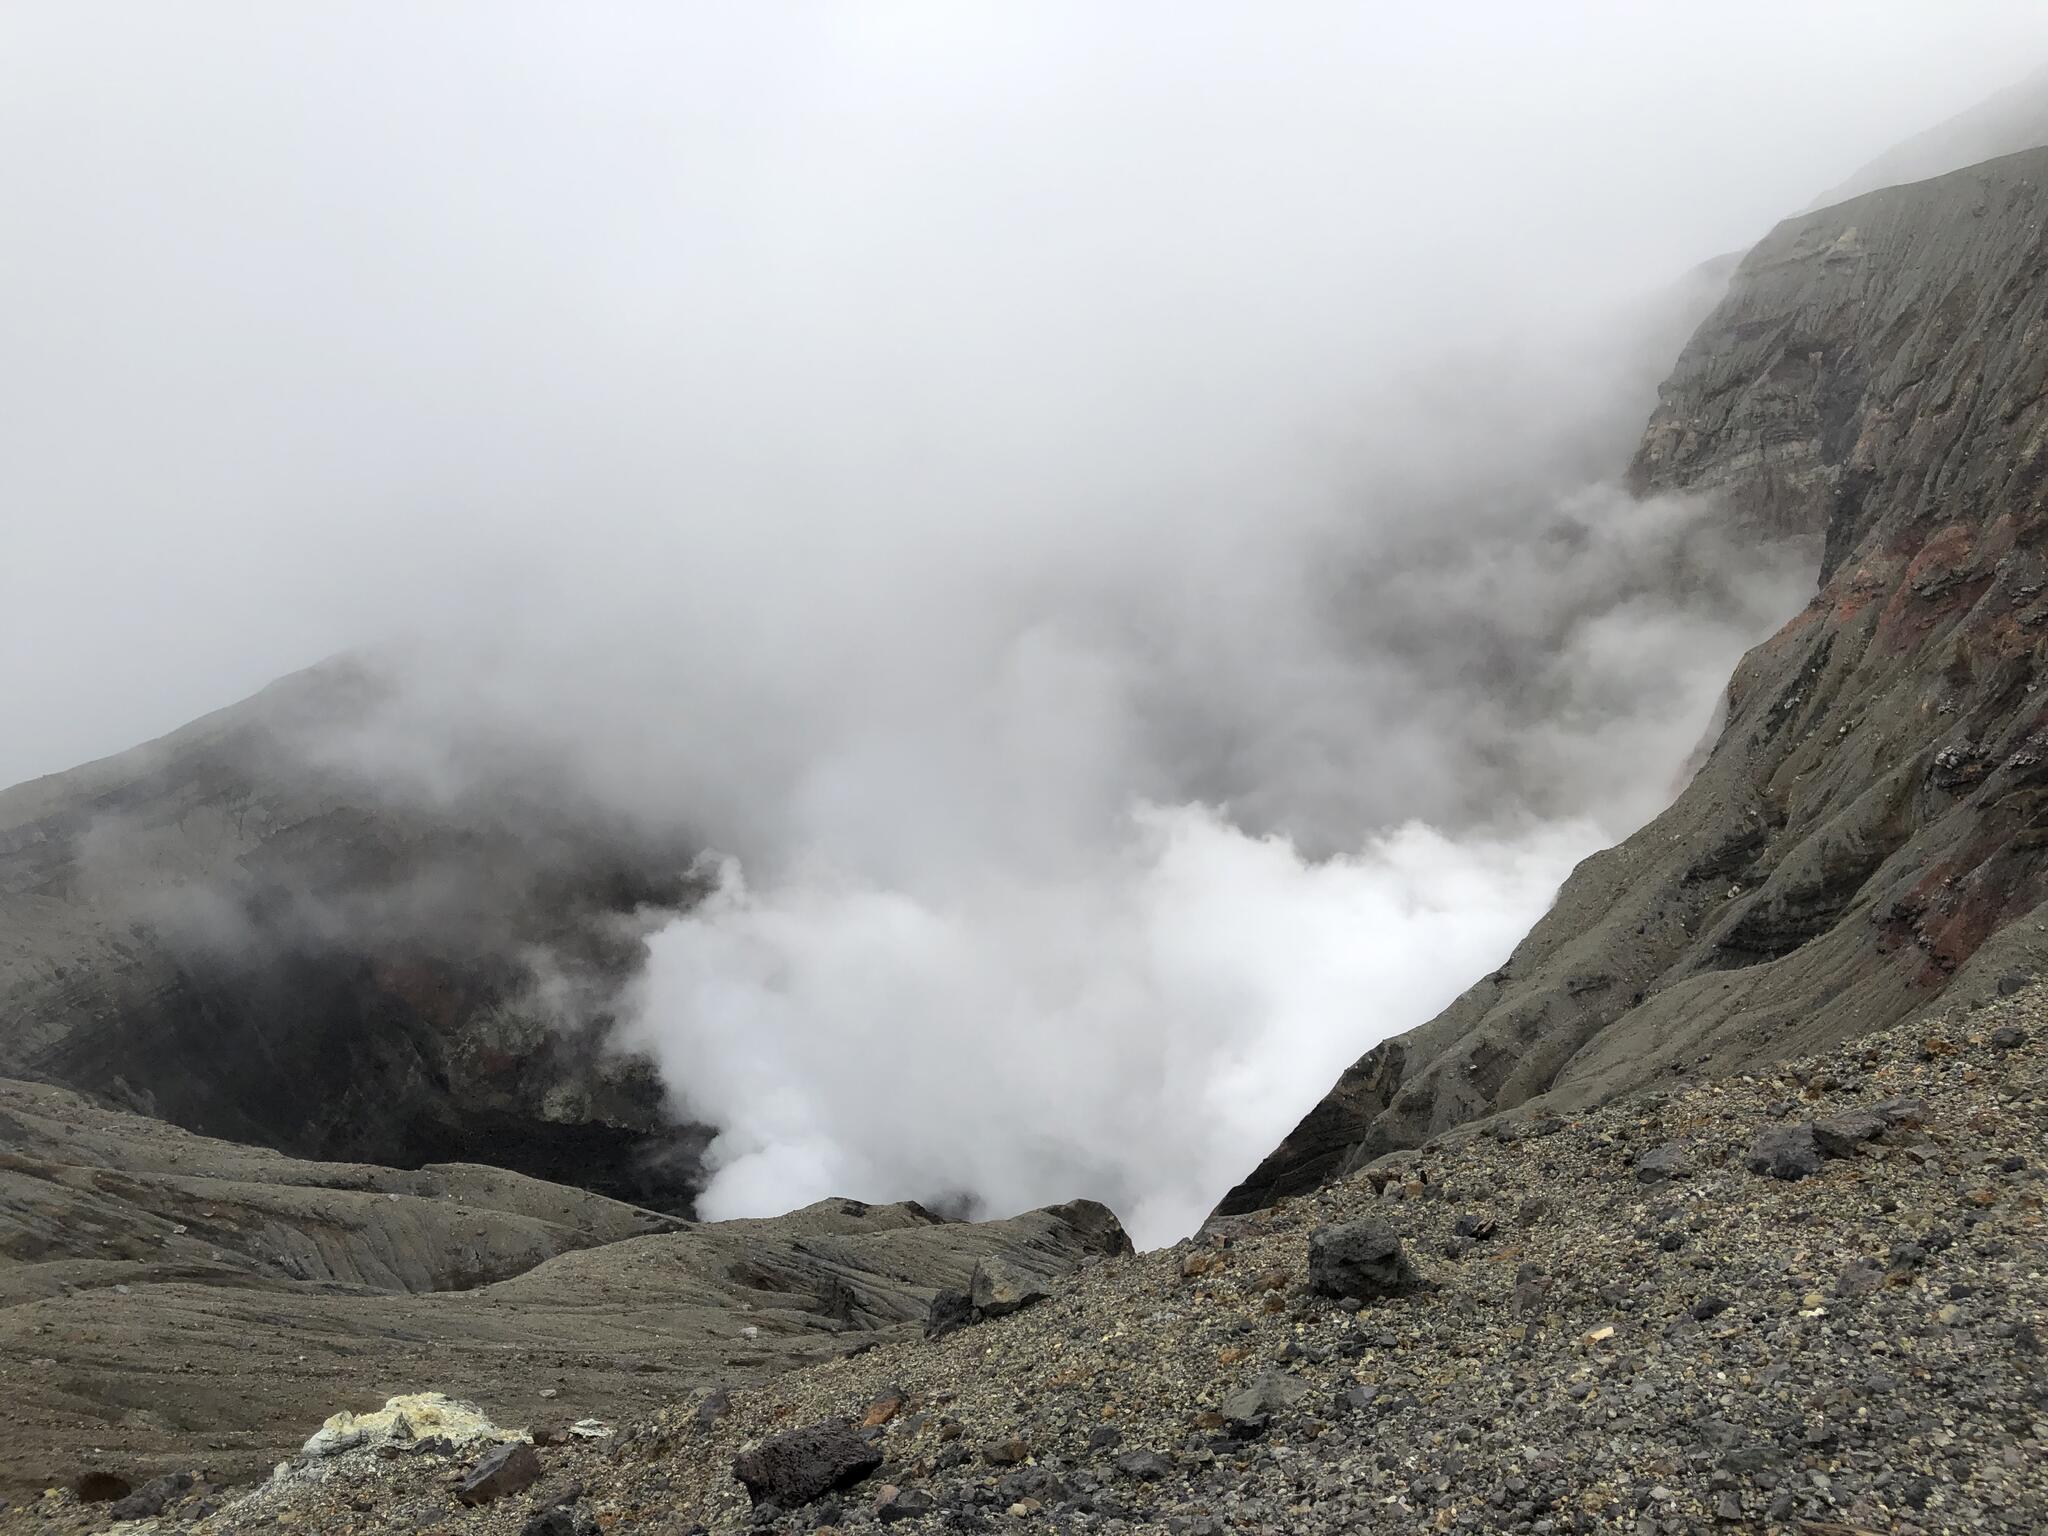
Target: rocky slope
[239,929]
[1811,1301]
[1866,835]
[168,1302]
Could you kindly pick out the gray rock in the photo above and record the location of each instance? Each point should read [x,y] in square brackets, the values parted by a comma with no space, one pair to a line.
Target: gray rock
[1144,1466]
[2008,1037]
[1840,1135]
[1358,1258]
[1660,1164]
[905,1504]
[562,1520]
[149,1500]
[950,1312]
[794,1468]
[1002,1286]
[1785,1152]
[1247,1411]
[505,1470]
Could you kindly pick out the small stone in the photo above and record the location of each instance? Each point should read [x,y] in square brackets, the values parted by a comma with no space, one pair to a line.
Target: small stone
[566,1519]
[1532,1290]
[2008,1037]
[1661,1164]
[1905,1109]
[1709,1307]
[1859,1279]
[1246,1412]
[882,1409]
[505,1470]
[1145,1466]
[713,1406]
[1006,1452]
[904,1504]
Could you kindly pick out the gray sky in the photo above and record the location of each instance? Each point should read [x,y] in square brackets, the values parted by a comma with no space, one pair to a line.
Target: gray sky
[328,319]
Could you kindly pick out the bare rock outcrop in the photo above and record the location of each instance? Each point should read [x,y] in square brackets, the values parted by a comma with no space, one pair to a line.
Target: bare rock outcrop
[1866,835]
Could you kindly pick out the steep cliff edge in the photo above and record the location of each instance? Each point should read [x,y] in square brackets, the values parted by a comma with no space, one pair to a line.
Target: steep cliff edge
[1870,830]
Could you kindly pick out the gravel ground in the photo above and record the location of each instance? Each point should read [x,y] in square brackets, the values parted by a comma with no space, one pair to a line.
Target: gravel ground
[1615,1326]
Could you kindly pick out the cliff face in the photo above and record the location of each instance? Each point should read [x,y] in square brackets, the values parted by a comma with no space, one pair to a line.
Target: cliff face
[232,932]
[1870,830]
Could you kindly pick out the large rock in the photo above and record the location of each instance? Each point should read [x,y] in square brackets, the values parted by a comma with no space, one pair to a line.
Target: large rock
[1360,1259]
[1855,846]
[950,1311]
[1248,1410]
[1002,1286]
[806,1464]
[1841,1135]
[1660,1164]
[507,1470]
[1784,1152]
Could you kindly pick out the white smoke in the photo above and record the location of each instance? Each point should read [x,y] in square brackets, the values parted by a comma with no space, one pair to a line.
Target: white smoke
[1104,514]
[1141,1031]
[984,968]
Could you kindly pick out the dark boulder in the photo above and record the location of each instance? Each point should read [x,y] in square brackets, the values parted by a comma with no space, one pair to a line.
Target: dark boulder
[950,1312]
[805,1464]
[1785,1152]
[1144,1466]
[562,1520]
[505,1470]
[1358,1258]
[148,1501]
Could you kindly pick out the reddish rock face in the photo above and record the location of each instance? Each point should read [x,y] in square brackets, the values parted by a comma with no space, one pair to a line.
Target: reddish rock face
[1870,832]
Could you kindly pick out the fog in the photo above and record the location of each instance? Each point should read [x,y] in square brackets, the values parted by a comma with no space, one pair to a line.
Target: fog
[1102,522]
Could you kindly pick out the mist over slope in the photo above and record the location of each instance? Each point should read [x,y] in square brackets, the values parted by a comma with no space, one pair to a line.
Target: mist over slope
[1106,532]
[1864,841]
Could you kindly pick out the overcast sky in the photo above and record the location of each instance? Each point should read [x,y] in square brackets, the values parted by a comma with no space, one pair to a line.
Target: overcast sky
[321,320]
